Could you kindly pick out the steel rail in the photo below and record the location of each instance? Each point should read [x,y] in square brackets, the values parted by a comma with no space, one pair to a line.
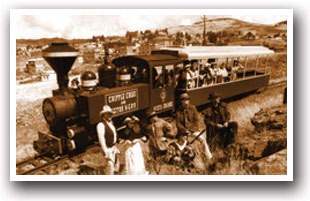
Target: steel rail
[38,165]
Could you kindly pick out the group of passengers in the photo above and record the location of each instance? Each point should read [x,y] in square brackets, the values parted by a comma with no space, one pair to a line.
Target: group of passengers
[161,141]
[194,75]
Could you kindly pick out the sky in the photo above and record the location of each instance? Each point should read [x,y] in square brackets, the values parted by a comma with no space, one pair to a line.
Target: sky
[86,26]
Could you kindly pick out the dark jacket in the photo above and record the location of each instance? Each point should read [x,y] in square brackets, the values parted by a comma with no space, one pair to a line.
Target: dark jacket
[187,119]
[219,136]
[217,115]
[109,135]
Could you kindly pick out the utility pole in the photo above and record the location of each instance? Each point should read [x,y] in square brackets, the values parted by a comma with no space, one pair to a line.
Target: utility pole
[204,42]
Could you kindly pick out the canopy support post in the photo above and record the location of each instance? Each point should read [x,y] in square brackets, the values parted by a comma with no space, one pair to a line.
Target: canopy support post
[245,65]
[256,65]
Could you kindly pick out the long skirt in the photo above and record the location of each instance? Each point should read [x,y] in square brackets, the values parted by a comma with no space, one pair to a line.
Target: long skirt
[134,161]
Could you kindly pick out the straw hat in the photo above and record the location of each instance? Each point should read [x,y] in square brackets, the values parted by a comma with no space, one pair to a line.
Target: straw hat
[187,66]
[184,96]
[134,118]
[150,114]
[106,109]
[128,119]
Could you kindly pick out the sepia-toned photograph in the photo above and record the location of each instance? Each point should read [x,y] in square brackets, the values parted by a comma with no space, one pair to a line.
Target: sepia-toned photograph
[149,93]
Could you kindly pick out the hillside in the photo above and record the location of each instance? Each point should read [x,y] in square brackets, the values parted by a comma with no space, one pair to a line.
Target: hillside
[214,25]
[228,24]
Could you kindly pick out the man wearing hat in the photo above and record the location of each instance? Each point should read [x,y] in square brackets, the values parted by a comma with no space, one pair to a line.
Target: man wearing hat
[188,77]
[220,130]
[107,136]
[194,72]
[158,130]
[187,122]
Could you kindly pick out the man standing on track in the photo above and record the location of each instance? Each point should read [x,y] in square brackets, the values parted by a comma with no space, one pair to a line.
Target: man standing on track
[107,136]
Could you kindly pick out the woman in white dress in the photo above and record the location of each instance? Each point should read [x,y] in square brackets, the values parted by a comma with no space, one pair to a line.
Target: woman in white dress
[134,161]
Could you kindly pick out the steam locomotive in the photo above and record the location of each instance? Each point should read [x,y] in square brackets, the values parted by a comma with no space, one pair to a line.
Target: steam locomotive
[129,85]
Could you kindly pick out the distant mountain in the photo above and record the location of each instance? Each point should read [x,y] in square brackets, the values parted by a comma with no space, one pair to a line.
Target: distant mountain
[281,25]
[228,24]
[44,41]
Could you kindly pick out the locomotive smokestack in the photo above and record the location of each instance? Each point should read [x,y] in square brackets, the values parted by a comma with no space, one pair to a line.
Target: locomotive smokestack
[60,56]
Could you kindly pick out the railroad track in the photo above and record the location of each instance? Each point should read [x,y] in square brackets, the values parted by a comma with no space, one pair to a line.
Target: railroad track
[277,84]
[41,163]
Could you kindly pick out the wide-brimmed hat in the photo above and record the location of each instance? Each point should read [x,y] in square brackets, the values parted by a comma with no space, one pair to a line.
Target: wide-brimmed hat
[134,118]
[131,119]
[150,114]
[128,119]
[214,95]
[187,66]
[106,109]
[184,96]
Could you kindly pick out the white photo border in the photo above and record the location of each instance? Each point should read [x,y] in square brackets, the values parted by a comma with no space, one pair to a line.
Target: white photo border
[14,13]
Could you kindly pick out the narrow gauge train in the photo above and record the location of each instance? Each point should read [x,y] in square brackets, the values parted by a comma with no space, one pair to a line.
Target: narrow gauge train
[135,85]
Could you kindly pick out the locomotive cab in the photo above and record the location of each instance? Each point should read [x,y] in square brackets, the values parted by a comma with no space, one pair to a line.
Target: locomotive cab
[158,71]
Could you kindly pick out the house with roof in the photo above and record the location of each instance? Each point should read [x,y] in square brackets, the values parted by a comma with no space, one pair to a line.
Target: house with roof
[248,35]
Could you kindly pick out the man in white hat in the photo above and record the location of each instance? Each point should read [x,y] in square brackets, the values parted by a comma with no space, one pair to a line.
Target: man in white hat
[107,136]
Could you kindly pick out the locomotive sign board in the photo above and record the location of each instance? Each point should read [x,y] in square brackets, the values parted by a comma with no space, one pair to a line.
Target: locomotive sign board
[123,101]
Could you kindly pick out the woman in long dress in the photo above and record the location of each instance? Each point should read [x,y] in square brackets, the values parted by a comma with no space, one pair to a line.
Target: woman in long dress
[134,161]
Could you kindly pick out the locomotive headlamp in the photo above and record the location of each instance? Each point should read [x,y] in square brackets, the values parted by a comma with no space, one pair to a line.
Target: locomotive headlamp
[74,131]
[89,80]
[70,133]
[71,145]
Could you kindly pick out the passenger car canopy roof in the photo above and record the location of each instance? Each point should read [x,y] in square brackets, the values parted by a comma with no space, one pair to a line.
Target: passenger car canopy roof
[203,52]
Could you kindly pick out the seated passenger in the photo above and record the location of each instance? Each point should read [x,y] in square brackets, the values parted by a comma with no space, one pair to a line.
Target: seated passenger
[134,73]
[236,66]
[194,72]
[214,70]
[224,74]
[209,72]
[142,76]
[158,79]
[217,74]
[181,82]
[169,77]
[202,76]
[177,73]
[190,82]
